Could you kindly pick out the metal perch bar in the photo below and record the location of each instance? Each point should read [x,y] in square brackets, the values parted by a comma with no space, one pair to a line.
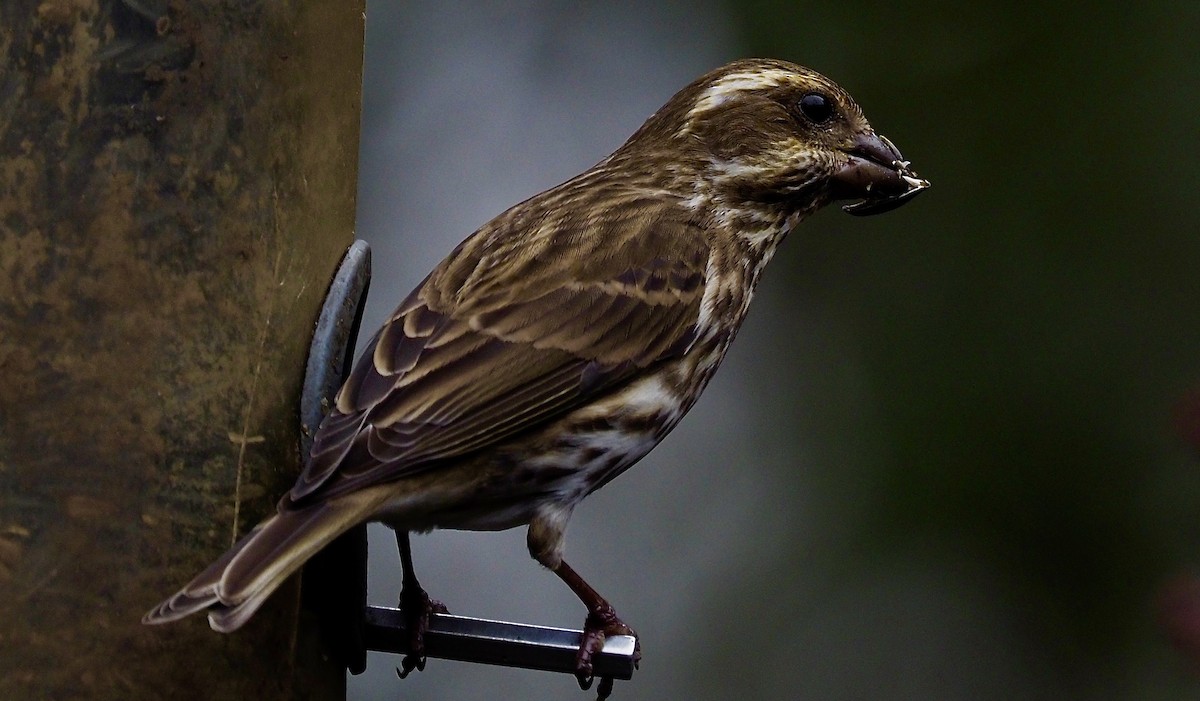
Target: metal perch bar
[496,642]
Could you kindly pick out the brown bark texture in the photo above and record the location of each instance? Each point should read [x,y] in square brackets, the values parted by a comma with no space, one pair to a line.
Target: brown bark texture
[177,184]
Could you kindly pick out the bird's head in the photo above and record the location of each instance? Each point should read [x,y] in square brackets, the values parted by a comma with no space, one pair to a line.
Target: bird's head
[773,136]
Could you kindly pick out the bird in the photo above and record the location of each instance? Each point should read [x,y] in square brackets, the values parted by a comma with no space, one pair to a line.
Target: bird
[559,343]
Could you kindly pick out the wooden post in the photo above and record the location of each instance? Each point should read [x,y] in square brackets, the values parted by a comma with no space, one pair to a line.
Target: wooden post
[177,184]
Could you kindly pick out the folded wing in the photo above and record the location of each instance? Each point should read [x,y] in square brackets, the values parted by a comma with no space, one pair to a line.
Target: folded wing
[507,334]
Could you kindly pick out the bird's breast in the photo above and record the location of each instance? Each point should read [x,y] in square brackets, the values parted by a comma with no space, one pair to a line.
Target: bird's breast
[568,459]
[600,441]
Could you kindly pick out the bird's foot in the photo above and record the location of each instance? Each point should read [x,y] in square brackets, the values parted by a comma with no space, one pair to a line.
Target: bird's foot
[600,624]
[417,608]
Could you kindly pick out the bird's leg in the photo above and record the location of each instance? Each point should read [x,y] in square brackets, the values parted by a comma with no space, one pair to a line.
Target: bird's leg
[416,606]
[601,622]
[545,540]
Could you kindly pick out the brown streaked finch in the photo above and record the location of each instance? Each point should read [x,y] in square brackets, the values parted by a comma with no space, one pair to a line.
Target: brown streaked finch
[563,340]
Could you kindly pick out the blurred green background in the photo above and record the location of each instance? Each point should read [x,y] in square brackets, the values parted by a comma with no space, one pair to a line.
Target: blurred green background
[940,461]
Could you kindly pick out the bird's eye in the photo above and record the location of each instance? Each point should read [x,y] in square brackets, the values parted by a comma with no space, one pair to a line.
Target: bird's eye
[816,107]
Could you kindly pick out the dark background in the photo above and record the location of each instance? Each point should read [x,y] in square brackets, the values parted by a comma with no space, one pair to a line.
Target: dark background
[943,459]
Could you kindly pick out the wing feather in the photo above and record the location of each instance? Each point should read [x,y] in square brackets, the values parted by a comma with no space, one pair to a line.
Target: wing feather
[509,333]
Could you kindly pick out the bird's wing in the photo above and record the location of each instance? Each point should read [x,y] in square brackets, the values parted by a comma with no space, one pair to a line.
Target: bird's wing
[505,335]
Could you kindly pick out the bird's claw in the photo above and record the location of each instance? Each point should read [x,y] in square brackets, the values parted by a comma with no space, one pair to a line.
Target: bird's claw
[602,692]
[599,625]
[409,663]
[417,608]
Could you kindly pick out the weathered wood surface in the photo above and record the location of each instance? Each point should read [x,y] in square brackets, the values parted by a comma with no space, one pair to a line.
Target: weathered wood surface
[177,183]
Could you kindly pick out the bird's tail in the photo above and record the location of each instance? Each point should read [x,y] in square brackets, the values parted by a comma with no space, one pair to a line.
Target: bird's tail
[236,585]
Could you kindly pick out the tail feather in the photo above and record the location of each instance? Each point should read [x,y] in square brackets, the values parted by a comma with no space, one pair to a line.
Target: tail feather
[239,582]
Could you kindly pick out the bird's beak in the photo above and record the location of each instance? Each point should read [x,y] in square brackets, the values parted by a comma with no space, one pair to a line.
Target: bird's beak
[877,175]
